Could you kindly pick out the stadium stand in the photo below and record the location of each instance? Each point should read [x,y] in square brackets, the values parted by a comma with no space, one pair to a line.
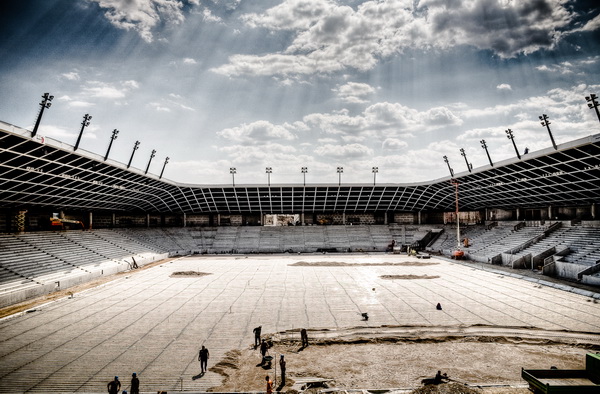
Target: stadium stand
[537,212]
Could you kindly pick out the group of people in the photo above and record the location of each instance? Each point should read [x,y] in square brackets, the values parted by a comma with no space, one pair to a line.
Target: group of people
[264,346]
[115,385]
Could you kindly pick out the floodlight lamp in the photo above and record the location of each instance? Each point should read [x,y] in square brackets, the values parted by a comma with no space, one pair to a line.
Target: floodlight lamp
[590,106]
[48,105]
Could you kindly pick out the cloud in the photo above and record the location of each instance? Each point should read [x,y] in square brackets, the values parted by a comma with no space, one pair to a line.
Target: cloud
[349,151]
[188,60]
[258,132]
[208,16]
[80,104]
[393,144]
[72,76]
[142,15]
[329,37]
[159,107]
[504,86]
[106,90]
[383,119]
[354,92]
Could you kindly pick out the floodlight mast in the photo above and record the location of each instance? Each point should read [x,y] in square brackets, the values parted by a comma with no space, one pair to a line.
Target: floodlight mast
[232,171]
[463,154]
[509,135]
[135,147]
[546,122]
[163,169]
[593,103]
[86,122]
[44,104]
[484,146]
[269,170]
[149,161]
[304,171]
[449,168]
[340,170]
[112,138]
[375,170]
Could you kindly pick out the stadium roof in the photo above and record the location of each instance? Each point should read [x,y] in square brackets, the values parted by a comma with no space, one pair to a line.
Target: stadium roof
[42,172]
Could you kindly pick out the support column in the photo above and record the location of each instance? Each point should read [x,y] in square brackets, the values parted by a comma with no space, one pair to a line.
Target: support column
[593,210]
[114,220]
[550,212]
[302,219]
[184,219]
[419,217]
[518,213]
[91,220]
[344,218]
[385,218]
[147,220]
[218,219]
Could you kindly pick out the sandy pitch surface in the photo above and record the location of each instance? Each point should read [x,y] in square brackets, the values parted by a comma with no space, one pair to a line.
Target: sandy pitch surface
[153,322]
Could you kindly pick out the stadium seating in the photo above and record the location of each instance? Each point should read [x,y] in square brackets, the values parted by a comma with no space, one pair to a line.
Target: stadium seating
[48,260]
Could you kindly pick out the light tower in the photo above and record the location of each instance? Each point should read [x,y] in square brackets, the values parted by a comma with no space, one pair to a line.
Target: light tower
[232,171]
[449,168]
[340,170]
[86,122]
[546,122]
[112,138]
[593,103]
[269,170]
[44,104]
[509,134]
[149,161]
[484,146]
[304,171]
[463,154]
[135,147]
[163,169]
[374,170]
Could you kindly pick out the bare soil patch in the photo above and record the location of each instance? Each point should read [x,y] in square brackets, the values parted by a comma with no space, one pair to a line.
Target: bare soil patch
[409,276]
[478,364]
[344,264]
[188,274]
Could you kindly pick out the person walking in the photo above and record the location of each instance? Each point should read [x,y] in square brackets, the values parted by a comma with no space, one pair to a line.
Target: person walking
[282,367]
[256,332]
[203,358]
[263,349]
[114,386]
[135,384]
[304,337]
[269,385]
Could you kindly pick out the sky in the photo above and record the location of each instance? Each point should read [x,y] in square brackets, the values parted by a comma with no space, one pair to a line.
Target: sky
[286,84]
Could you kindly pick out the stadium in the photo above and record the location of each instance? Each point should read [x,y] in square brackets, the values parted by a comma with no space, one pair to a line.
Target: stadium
[101,244]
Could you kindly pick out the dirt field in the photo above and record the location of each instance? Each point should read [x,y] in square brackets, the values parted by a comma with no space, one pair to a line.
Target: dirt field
[492,363]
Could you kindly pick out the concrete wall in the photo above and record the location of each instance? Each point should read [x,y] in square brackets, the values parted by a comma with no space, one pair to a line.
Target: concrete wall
[568,270]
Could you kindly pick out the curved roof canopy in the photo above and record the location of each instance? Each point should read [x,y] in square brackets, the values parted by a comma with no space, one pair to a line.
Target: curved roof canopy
[43,172]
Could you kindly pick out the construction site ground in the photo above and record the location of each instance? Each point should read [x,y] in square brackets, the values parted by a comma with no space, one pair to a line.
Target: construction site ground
[152,321]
